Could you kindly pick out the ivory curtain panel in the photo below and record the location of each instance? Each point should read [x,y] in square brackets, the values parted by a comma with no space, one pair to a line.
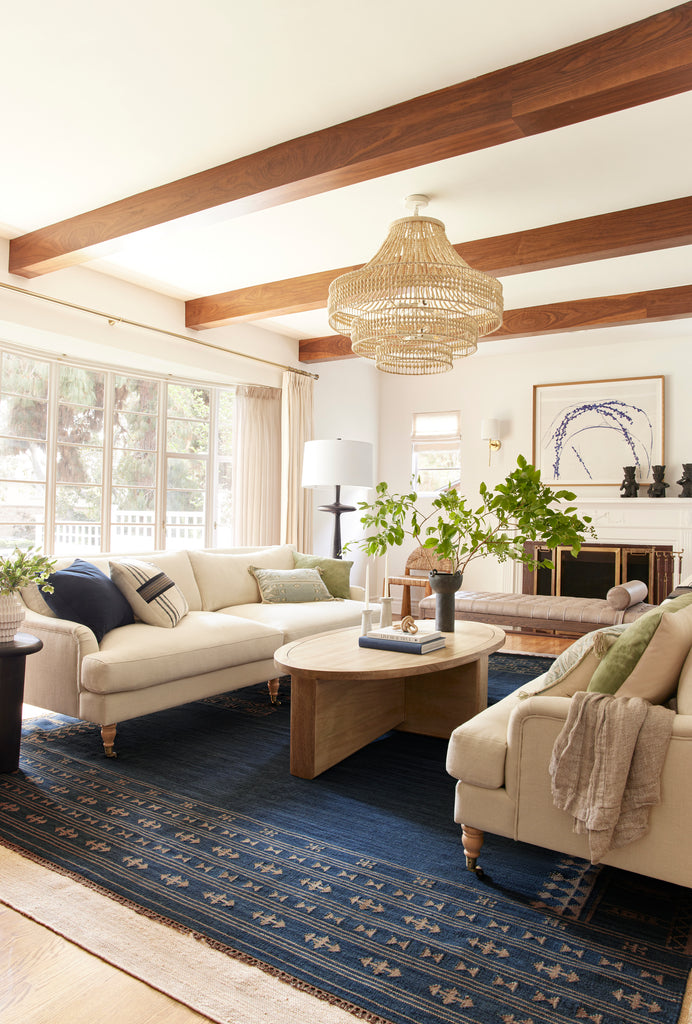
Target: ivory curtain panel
[257,466]
[296,429]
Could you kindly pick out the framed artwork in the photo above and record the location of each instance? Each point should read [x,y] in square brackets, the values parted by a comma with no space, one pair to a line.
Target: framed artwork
[584,432]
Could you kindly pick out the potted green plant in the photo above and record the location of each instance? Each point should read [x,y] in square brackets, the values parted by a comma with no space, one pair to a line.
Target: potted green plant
[519,509]
[16,571]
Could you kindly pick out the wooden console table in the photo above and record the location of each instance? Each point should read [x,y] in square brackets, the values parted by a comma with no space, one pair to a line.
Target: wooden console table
[12,663]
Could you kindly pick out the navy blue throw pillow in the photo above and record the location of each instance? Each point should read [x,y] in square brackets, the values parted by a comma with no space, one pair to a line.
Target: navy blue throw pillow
[85,594]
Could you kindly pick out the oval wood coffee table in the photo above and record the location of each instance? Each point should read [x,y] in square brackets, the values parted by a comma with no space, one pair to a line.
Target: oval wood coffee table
[344,696]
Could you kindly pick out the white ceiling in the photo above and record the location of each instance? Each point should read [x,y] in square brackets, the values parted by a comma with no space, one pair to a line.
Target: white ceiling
[103,101]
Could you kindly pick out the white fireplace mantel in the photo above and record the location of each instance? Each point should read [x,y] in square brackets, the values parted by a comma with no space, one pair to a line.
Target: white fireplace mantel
[644,521]
[634,521]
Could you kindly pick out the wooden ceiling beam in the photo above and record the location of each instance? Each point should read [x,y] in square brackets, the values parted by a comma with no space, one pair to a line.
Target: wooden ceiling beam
[635,64]
[261,301]
[652,306]
[643,229]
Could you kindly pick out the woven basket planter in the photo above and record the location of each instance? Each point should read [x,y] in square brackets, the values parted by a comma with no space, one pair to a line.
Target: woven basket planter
[12,614]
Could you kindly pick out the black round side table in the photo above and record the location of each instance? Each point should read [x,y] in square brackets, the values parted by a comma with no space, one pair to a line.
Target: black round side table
[12,664]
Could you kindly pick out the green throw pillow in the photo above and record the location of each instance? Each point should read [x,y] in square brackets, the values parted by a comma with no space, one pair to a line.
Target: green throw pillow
[336,572]
[623,657]
[290,586]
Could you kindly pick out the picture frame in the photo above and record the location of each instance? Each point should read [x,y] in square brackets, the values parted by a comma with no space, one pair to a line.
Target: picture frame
[585,432]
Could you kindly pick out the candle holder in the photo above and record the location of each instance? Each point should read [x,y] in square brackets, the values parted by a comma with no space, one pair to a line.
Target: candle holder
[365,621]
[385,611]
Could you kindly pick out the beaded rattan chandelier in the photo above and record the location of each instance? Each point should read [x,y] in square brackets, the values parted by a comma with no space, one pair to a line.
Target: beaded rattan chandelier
[417,305]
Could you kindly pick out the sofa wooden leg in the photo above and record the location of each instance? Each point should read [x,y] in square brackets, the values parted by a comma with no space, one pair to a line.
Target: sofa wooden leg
[273,687]
[472,839]
[108,737]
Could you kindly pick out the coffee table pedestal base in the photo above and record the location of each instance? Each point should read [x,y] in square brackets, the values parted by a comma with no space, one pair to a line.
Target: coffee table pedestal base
[333,718]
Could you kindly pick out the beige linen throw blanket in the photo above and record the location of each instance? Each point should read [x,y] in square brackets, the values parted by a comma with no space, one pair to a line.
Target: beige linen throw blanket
[606,766]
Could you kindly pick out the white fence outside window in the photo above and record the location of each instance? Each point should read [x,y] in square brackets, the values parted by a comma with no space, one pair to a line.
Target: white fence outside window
[128,531]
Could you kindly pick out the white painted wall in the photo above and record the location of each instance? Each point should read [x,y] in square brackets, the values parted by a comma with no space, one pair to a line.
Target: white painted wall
[36,323]
[497,382]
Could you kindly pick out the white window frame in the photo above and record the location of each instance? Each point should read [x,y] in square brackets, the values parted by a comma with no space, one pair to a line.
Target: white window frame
[211,457]
[435,432]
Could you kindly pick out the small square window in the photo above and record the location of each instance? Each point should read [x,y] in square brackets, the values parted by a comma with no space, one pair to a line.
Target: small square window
[436,450]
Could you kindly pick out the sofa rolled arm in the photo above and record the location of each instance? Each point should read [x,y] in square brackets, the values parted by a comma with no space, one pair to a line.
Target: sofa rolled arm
[535,724]
[53,675]
[477,749]
[536,720]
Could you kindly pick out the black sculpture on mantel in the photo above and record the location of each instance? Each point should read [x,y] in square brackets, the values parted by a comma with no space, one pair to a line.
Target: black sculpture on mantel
[685,480]
[658,488]
[629,488]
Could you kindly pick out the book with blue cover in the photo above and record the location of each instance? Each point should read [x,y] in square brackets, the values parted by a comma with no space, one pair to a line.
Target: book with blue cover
[402,646]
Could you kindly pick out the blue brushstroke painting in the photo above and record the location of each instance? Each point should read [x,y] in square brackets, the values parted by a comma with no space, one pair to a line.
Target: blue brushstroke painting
[586,431]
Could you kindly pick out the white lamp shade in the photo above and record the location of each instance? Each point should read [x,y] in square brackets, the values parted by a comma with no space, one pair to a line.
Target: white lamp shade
[490,430]
[332,463]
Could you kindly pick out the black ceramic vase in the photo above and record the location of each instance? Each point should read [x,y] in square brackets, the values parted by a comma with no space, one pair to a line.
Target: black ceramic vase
[444,585]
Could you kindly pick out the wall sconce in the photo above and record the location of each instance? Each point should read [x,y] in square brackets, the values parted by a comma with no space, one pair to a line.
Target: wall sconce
[489,431]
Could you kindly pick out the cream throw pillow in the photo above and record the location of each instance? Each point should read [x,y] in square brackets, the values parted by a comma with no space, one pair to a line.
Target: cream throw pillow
[33,598]
[152,595]
[223,579]
[655,677]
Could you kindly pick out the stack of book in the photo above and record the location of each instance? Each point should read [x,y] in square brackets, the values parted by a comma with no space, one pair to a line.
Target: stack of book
[390,639]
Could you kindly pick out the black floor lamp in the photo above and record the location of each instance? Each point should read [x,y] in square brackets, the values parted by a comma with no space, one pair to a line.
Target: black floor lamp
[337,464]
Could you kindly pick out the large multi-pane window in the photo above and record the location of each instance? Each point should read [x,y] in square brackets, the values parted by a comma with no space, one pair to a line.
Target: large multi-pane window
[94,459]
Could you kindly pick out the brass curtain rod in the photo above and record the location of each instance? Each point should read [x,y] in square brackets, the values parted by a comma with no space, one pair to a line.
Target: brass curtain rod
[113,320]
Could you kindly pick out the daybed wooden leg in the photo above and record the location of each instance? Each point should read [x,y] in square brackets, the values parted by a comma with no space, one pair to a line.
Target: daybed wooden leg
[108,737]
[273,687]
[472,839]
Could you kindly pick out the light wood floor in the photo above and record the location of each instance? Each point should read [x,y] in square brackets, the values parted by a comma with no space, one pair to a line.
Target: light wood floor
[521,643]
[45,979]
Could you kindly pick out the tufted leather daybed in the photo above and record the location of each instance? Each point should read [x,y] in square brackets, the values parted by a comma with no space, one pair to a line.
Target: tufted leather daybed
[579,615]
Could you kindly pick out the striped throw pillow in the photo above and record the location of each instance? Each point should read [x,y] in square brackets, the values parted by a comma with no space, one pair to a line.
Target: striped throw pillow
[152,595]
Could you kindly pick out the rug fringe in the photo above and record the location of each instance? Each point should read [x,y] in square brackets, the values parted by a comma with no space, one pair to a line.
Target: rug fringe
[220,947]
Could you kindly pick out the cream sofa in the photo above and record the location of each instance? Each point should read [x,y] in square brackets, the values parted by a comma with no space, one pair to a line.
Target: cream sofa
[501,761]
[226,640]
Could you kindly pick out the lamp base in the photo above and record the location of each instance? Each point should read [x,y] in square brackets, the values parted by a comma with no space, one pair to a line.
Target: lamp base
[337,509]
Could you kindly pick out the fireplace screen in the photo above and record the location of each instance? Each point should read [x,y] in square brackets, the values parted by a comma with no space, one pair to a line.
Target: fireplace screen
[598,567]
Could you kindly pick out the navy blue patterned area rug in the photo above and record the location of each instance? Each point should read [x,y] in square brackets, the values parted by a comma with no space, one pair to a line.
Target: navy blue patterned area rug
[352,885]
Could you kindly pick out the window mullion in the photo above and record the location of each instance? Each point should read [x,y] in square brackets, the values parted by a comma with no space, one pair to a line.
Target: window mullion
[107,482]
[162,468]
[51,458]
[210,518]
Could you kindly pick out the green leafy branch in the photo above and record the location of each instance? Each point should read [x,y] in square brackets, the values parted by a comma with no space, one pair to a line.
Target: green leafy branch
[24,567]
[519,509]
